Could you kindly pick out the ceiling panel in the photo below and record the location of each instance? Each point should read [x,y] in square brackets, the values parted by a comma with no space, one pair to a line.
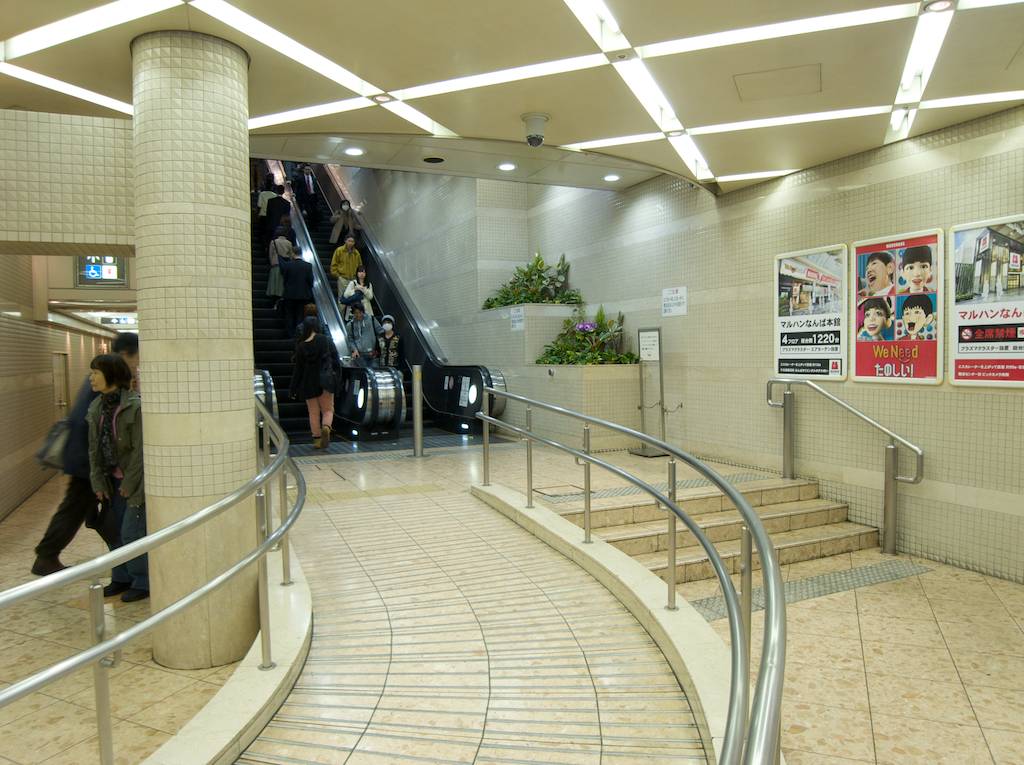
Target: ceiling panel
[373,119]
[655,153]
[983,53]
[397,43]
[790,147]
[566,174]
[584,105]
[651,21]
[15,94]
[701,87]
[934,119]
[17,16]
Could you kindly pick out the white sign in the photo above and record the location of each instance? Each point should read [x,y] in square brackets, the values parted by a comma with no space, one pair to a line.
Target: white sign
[650,344]
[673,301]
[464,392]
[518,316]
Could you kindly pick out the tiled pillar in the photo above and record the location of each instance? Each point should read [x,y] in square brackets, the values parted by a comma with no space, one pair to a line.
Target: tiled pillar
[195,316]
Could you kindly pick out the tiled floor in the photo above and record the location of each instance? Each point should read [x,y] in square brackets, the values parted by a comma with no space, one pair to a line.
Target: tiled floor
[57,726]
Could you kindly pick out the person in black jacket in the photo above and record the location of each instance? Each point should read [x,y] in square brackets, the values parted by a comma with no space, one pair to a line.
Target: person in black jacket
[277,208]
[298,290]
[313,357]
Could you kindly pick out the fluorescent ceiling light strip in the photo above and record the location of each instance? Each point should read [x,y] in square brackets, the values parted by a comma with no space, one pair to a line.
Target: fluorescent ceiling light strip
[64,87]
[502,76]
[980,98]
[780,29]
[82,24]
[418,118]
[624,140]
[283,44]
[793,119]
[970,5]
[687,150]
[639,80]
[753,176]
[306,112]
[924,51]
[599,23]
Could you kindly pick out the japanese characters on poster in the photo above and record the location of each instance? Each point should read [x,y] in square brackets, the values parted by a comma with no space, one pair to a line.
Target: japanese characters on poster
[987,324]
[897,309]
[810,322]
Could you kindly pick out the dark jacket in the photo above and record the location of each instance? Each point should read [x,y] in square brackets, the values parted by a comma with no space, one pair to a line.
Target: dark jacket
[276,208]
[76,451]
[128,430]
[298,279]
[362,335]
[389,351]
[309,360]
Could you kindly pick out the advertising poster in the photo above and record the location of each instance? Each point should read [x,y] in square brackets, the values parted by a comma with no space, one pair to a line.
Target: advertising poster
[810,322]
[986,344]
[897,309]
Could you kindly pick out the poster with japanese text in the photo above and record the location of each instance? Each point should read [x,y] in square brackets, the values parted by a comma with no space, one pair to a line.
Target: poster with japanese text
[810,322]
[986,327]
[896,309]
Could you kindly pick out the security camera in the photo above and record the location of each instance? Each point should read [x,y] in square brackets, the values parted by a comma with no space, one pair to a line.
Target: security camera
[534,123]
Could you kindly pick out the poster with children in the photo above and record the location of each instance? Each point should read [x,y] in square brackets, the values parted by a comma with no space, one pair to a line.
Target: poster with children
[985,289]
[810,322]
[897,309]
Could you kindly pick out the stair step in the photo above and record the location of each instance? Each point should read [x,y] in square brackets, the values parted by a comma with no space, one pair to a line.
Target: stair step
[792,547]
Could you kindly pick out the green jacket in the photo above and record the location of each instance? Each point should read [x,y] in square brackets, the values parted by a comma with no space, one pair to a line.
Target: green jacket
[128,430]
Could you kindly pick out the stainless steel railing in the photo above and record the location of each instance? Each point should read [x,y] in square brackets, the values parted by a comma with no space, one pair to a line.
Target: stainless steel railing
[755,742]
[105,651]
[890,454]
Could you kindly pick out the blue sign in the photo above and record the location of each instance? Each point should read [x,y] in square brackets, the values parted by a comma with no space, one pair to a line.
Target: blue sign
[93,271]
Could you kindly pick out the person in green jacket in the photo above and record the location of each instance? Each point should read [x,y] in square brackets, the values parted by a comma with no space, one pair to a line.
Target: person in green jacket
[115,461]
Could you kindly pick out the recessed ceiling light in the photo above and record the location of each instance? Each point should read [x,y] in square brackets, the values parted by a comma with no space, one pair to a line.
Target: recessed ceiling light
[753,176]
[354,151]
[507,167]
[319,110]
[937,6]
[612,177]
[924,51]
[433,160]
[599,23]
[624,140]
[64,87]
[793,119]
[980,98]
[418,118]
[687,150]
[970,5]
[82,24]
[383,98]
[639,80]
[674,133]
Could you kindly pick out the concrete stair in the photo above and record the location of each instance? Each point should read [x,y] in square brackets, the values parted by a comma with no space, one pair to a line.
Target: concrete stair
[801,524]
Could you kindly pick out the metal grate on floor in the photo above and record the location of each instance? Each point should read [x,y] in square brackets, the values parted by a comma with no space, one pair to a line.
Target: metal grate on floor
[626,491]
[819,585]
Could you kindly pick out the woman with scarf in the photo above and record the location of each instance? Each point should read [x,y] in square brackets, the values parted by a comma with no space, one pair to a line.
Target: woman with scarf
[115,462]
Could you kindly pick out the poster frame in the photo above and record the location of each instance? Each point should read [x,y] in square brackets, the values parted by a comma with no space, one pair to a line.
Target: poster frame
[951,351]
[844,321]
[940,294]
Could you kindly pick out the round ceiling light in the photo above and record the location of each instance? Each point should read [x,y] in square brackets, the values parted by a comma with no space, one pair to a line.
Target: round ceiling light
[507,167]
[674,133]
[611,178]
[937,6]
[354,151]
[433,160]
[383,98]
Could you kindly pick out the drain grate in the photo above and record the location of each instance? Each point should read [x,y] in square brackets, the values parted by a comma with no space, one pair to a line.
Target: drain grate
[627,491]
[819,585]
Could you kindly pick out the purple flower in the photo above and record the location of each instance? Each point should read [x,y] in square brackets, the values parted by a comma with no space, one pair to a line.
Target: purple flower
[586,326]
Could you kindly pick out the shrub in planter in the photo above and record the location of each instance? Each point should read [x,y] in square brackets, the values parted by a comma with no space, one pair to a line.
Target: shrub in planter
[536,282]
[586,341]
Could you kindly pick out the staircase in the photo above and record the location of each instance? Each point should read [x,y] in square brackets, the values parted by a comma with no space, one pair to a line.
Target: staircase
[801,524]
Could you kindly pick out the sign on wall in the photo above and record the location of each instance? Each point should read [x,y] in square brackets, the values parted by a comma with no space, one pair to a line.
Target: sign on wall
[987,324]
[517,317]
[100,271]
[810,321]
[897,309]
[673,301]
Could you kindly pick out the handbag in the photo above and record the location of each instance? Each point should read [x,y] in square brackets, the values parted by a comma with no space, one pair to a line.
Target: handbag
[51,454]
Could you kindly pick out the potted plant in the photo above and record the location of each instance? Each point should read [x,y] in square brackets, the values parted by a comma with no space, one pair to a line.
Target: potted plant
[536,282]
[588,341]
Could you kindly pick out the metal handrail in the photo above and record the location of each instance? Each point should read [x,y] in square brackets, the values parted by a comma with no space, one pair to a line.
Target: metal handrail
[99,654]
[917,450]
[761,742]
[891,461]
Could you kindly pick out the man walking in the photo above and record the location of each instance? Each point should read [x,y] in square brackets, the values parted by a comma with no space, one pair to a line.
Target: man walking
[298,290]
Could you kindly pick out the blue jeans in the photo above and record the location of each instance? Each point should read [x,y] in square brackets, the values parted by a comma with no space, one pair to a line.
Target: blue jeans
[115,522]
[133,528]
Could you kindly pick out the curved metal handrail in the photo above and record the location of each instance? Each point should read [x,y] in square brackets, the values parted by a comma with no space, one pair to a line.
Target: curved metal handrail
[762,739]
[917,450]
[99,566]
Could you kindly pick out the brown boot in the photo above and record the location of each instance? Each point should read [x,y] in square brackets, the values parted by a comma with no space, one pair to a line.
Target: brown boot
[325,436]
[317,443]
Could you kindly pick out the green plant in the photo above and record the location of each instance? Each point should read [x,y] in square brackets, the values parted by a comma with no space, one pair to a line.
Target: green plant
[536,282]
[588,342]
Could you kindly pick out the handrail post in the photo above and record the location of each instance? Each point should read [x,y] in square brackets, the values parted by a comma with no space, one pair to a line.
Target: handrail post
[264,590]
[889,502]
[485,405]
[788,420]
[671,606]
[100,679]
[286,562]
[417,410]
[586,486]
[746,593]
[529,458]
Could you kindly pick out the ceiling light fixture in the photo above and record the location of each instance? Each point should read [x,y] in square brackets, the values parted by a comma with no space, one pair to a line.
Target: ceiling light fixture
[612,178]
[354,151]
[970,5]
[82,24]
[624,140]
[639,80]
[687,150]
[283,44]
[507,167]
[383,98]
[924,51]
[937,6]
[780,29]
[599,23]
[793,119]
[502,76]
[674,133]
[980,98]
[418,118]
[433,160]
[64,87]
[306,112]
[763,175]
